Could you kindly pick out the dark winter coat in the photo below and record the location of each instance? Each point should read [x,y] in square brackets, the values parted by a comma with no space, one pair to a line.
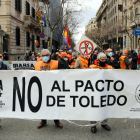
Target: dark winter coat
[134,61]
[115,64]
[63,64]
[3,66]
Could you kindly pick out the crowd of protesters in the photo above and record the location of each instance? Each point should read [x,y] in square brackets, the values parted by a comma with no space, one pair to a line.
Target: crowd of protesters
[73,60]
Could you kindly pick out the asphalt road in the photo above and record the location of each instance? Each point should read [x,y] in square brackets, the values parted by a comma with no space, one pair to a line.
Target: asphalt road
[16,129]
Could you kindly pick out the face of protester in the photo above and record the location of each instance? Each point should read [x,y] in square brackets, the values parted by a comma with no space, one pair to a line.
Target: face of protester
[103,59]
[64,58]
[109,50]
[73,56]
[125,54]
[45,53]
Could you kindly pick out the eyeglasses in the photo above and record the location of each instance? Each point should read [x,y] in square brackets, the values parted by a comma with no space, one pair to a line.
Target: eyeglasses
[45,55]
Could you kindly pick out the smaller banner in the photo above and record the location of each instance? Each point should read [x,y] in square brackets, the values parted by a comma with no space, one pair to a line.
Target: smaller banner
[23,65]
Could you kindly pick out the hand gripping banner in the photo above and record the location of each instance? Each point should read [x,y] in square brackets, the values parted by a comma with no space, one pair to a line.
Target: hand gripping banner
[92,95]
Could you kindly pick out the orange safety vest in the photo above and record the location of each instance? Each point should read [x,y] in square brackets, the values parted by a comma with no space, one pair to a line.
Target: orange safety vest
[98,67]
[39,59]
[122,62]
[84,62]
[69,57]
[73,63]
[52,65]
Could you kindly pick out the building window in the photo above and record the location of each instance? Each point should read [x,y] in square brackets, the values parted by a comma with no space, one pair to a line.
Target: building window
[17,36]
[136,12]
[27,39]
[27,8]
[33,12]
[116,19]
[38,38]
[18,5]
[120,8]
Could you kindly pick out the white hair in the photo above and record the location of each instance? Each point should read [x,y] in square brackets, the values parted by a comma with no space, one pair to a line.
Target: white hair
[100,55]
[96,51]
[46,50]
[74,53]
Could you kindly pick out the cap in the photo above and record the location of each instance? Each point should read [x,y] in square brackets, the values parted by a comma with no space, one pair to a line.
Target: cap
[64,54]
[125,51]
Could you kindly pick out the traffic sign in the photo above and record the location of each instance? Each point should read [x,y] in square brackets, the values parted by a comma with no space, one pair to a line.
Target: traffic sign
[124,42]
[86,48]
[42,35]
[137,31]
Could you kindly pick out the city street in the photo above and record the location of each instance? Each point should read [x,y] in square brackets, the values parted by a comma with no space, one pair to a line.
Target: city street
[15,129]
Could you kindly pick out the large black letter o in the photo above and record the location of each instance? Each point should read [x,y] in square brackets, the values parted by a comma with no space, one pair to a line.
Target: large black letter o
[34,108]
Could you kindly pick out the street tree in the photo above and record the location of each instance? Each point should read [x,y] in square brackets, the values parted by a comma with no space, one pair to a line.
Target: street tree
[56,11]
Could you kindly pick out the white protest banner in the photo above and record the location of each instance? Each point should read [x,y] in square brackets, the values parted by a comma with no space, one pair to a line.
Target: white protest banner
[70,94]
[85,46]
[22,65]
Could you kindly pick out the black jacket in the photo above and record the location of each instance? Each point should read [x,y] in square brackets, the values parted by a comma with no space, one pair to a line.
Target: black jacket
[114,64]
[63,64]
[117,56]
[3,66]
[134,61]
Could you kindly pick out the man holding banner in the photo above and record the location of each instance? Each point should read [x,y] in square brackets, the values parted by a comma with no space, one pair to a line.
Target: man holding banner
[101,64]
[46,65]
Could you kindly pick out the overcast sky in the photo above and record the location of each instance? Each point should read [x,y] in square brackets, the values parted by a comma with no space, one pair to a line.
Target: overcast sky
[92,7]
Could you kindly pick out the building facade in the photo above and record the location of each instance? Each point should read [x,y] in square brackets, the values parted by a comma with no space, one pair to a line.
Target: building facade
[131,21]
[18,20]
[92,24]
[109,18]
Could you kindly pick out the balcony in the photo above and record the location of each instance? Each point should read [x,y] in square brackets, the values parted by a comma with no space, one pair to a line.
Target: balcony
[30,22]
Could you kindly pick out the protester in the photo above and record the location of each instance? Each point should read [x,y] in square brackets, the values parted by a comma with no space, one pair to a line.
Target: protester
[70,55]
[63,61]
[116,55]
[46,65]
[111,60]
[27,56]
[125,62]
[55,56]
[2,65]
[101,64]
[5,56]
[94,56]
[81,62]
[139,61]
[73,60]
[134,60]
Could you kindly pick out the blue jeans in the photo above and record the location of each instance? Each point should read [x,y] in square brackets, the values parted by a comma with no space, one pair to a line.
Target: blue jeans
[55,121]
